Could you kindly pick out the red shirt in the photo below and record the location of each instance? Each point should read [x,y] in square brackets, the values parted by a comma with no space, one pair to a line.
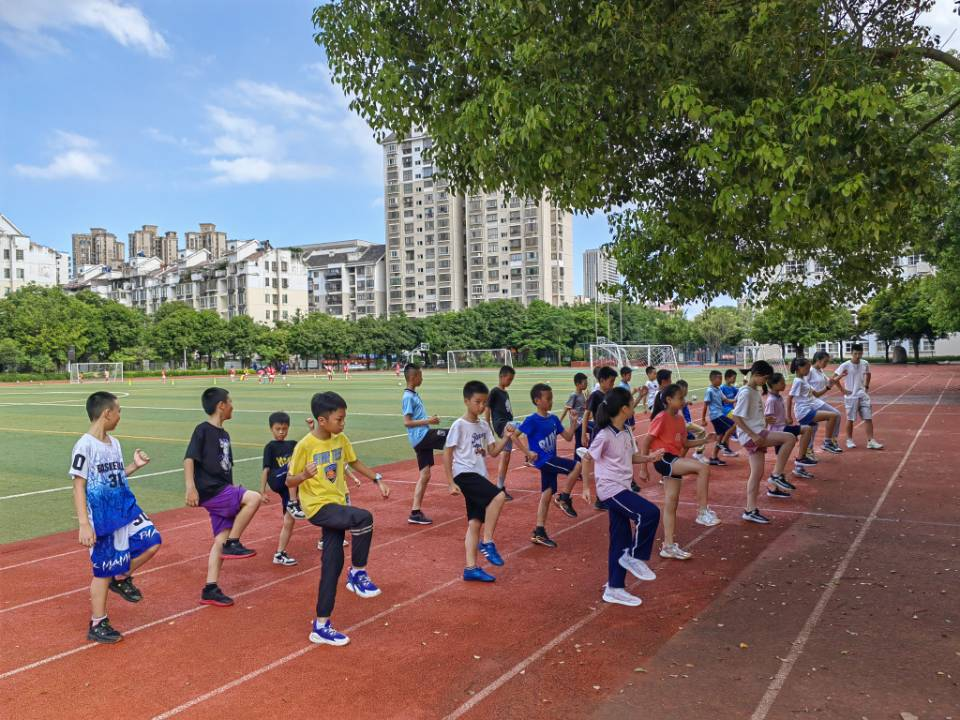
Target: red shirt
[668,432]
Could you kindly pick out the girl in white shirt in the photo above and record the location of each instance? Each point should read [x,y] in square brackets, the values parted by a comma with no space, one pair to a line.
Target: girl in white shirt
[802,405]
[821,385]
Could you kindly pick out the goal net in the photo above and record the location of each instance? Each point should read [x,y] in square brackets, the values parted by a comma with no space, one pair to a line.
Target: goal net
[96,372]
[749,354]
[635,356]
[472,359]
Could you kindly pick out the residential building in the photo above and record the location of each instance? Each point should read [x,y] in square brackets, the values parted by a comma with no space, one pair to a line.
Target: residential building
[98,247]
[209,238]
[445,251]
[598,267]
[26,262]
[346,279]
[148,242]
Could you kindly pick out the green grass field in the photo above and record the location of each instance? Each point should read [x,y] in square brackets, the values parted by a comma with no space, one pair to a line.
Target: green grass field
[41,422]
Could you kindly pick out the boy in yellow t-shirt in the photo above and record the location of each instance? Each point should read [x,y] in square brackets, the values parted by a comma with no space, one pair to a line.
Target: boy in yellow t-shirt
[317,469]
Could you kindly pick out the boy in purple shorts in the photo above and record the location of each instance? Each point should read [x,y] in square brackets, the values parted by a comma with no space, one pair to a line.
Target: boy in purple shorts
[208,476]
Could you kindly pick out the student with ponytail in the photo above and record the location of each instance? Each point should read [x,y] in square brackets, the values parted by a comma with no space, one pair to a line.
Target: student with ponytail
[668,432]
[820,385]
[608,463]
[802,408]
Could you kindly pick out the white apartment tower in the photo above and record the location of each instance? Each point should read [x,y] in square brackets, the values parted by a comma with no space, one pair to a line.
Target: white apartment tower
[26,262]
[447,252]
[598,268]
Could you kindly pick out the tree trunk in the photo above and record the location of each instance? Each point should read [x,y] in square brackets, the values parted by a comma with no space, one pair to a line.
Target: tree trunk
[915,341]
[886,350]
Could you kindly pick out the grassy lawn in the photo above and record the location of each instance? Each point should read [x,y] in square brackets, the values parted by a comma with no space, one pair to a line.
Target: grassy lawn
[41,422]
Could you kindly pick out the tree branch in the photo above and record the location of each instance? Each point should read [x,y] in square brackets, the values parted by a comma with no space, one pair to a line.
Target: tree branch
[951,61]
[930,123]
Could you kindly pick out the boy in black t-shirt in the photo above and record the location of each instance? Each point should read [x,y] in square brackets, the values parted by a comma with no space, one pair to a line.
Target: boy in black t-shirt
[276,455]
[606,377]
[208,476]
[499,413]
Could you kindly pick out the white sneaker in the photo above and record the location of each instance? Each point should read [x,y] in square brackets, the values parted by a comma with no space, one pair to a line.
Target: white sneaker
[320,543]
[701,458]
[675,552]
[707,517]
[874,445]
[281,558]
[619,596]
[636,566]
[582,452]
[850,444]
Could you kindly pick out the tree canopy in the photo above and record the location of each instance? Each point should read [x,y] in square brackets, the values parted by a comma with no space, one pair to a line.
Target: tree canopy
[760,130]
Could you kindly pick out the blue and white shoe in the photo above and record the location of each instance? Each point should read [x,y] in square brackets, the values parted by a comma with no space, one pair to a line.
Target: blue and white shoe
[477,574]
[489,551]
[326,635]
[359,582]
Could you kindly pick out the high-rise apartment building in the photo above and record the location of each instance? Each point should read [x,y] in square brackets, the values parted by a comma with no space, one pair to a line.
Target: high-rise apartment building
[25,262]
[209,239]
[148,242]
[447,251]
[598,268]
[346,279]
[98,247]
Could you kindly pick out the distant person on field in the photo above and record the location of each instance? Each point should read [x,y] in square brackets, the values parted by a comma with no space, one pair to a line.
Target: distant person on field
[714,406]
[606,377]
[317,468]
[120,536]
[276,459]
[636,394]
[468,443]
[853,376]
[652,386]
[424,439]
[577,404]
[499,413]
[694,431]
[208,477]
[820,385]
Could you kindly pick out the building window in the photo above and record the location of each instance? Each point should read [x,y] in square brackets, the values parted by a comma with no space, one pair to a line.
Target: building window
[19,273]
[19,254]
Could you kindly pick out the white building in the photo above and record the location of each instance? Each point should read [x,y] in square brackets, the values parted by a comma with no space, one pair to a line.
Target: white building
[26,262]
[346,279]
[598,268]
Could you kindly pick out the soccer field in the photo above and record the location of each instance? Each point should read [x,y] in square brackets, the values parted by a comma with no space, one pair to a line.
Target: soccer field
[41,422]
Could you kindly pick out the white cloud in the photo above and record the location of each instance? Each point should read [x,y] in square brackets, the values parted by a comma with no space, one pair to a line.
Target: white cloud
[272,97]
[29,19]
[254,169]
[239,135]
[944,21]
[76,157]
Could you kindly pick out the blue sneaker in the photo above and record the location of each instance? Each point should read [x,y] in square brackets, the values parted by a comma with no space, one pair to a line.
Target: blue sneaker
[359,582]
[477,574]
[326,635]
[489,551]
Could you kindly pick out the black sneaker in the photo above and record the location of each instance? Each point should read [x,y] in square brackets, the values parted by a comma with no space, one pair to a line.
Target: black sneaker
[418,518]
[506,496]
[234,550]
[540,537]
[801,472]
[717,461]
[754,516]
[599,505]
[776,492]
[213,595]
[103,632]
[781,482]
[564,502]
[296,511]
[126,589]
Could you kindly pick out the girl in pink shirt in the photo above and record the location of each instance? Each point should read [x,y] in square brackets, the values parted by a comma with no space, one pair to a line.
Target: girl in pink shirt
[609,461]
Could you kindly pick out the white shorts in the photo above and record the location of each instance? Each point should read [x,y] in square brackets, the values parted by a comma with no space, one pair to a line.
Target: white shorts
[858,406]
[820,404]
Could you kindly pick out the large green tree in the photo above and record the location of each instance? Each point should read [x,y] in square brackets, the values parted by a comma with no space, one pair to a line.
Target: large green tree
[759,129]
[717,327]
[902,312]
[799,322]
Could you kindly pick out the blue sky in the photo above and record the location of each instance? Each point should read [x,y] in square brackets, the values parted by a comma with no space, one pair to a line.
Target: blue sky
[118,114]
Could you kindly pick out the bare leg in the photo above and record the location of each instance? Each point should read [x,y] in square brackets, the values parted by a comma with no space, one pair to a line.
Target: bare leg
[671,498]
[471,540]
[806,437]
[868,426]
[850,430]
[571,480]
[543,508]
[753,482]
[786,449]
[248,508]
[145,557]
[502,468]
[493,514]
[98,596]
[420,488]
[215,561]
[285,532]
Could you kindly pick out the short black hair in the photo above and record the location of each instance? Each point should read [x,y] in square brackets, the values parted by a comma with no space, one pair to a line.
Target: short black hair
[856,346]
[774,379]
[715,373]
[507,370]
[683,383]
[606,373]
[731,373]
[762,368]
[212,397]
[409,369]
[649,369]
[596,372]
[98,403]
[474,387]
[579,378]
[540,388]
[626,370]
[278,418]
[664,375]
[324,403]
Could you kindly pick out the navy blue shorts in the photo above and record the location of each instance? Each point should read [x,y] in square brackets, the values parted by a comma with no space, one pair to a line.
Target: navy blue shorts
[277,483]
[553,467]
[577,433]
[792,429]
[721,425]
[664,466]
[809,418]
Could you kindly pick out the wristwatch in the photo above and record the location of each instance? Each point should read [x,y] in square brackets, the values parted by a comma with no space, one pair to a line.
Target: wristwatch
[377,478]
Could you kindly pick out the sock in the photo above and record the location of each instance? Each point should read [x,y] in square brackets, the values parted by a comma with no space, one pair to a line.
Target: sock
[209,586]
[501,482]
[94,621]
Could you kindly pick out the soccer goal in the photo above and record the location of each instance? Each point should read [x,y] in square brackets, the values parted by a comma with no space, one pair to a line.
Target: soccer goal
[635,356]
[96,372]
[771,353]
[458,360]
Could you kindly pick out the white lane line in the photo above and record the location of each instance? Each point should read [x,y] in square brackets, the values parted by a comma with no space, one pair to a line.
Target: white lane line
[480,696]
[787,664]
[304,650]
[176,470]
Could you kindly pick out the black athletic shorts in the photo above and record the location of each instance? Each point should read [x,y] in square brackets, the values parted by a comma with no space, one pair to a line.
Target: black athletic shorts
[432,442]
[664,466]
[477,494]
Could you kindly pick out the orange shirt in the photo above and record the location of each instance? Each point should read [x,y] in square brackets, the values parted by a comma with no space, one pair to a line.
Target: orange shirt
[668,432]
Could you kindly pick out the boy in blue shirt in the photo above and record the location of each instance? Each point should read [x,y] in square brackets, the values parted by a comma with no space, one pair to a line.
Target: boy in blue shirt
[120,536]
[424,439]
[540,431]
[717,406]
[626,375]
